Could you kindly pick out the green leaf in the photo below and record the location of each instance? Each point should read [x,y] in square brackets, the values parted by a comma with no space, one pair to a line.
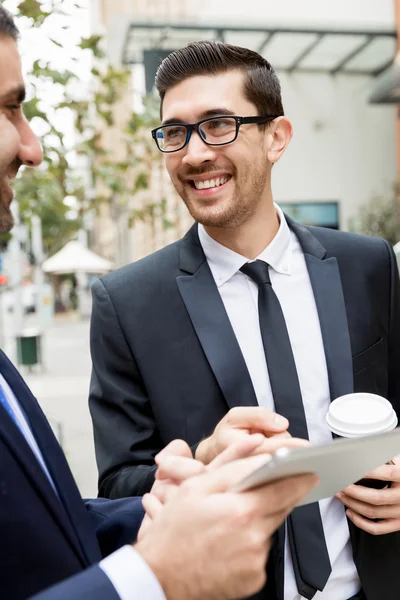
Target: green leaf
[33,10]
[142,181]
[92,43]
[32,110]
[56,43]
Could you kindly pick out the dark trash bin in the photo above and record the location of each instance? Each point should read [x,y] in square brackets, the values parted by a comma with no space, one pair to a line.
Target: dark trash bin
[29,348]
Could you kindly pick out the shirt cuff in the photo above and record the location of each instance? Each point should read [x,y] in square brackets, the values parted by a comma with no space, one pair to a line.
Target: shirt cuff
[131,575]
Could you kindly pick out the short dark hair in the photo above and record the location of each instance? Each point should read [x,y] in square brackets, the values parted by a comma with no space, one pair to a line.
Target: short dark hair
[7,25]
[262,86]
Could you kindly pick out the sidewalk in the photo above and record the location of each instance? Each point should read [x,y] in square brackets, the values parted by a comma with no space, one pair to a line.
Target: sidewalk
[62,391]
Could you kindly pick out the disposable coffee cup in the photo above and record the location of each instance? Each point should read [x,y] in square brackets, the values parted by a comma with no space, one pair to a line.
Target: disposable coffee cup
[359,415]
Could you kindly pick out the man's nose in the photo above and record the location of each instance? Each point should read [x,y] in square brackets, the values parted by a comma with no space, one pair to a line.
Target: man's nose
[197,151]
[30,151]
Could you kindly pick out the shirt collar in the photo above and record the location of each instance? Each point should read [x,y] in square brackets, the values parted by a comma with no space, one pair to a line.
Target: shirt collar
[224,262]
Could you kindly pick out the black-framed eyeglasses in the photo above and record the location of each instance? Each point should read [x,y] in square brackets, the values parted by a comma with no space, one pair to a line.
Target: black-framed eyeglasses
[214,131]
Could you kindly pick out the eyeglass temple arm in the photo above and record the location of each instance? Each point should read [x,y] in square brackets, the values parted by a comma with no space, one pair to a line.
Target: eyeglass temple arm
[258,119]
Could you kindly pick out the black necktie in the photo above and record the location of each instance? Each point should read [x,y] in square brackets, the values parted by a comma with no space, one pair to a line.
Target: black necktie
[310,557]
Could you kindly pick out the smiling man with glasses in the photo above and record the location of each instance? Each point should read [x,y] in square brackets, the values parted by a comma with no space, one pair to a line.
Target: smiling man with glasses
[249,323]
[216,136]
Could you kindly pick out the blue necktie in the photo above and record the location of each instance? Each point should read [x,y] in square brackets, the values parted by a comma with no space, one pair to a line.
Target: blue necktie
[10,411]
[8,408]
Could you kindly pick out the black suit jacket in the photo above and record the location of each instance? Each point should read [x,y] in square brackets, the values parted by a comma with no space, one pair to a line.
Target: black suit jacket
[50,545]
[166,362]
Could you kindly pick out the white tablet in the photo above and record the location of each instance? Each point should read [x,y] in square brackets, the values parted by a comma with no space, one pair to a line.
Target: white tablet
[337,464]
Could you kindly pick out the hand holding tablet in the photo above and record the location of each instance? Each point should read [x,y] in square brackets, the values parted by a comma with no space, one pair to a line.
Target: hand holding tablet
[367,420]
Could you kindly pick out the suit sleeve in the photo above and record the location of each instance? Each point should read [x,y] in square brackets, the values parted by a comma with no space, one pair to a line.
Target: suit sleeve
[116,522]
[125,432]
[394,334]
[124,575]
[92,583]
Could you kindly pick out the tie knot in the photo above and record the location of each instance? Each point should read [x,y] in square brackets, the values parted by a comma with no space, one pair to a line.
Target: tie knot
[257,271]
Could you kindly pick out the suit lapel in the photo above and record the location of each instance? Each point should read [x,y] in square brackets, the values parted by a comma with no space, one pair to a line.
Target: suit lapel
[211,323]
[68,509]
[328,293]
[215,333]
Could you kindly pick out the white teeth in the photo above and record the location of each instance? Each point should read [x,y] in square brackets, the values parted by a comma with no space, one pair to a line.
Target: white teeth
[210,183]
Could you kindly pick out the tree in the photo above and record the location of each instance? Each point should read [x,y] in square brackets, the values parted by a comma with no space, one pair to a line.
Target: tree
[380,217]
[60,192]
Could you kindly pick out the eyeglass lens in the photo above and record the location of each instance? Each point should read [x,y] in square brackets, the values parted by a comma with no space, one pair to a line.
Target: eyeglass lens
[215,131]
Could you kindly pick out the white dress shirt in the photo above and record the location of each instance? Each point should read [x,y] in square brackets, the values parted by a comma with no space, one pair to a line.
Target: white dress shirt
[129,573]
[291,283]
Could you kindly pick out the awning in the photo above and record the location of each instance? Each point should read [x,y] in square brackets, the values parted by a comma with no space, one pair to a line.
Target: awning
[76,258]
[358,52]
[386,89]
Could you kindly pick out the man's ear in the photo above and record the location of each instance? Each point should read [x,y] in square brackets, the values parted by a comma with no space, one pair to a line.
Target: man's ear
[279,134]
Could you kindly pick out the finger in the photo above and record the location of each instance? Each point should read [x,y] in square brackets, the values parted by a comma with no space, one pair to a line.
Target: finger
[164,489]
[241,449]
[283,495]
[144,527]
[272,444]
[151,505]
[174,448]
[284,434]
[372,527]
[370,496]
[224,478]
[256,418]
[390,472]
[146,522]
[371,511]
[178,468]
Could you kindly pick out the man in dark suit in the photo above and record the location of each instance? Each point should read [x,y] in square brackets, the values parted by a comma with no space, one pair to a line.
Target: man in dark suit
[248,310]
[56,547]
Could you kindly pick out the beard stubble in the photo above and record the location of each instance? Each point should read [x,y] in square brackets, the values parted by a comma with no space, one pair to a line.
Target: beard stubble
[242,205]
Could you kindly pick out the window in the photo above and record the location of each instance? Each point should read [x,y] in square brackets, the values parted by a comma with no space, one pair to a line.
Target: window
[322,214]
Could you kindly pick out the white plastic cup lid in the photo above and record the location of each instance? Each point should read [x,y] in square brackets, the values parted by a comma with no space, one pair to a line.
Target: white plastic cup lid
[357,415]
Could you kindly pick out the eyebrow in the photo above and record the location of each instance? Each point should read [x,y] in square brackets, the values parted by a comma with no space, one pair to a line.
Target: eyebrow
[17,94]
[212,112]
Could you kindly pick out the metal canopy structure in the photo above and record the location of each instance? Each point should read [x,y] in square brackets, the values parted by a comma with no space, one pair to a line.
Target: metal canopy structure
[356,52]
[387,87]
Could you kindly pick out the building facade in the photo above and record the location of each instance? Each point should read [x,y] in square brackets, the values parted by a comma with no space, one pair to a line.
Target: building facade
[343,153]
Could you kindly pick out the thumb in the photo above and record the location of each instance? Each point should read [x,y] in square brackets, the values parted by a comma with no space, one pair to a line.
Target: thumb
[257,418]
[175,448]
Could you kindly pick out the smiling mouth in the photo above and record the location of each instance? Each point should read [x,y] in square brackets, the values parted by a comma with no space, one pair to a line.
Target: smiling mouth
[211,183]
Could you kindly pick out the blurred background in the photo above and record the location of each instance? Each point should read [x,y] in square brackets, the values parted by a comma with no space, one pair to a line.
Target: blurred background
[102,197]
